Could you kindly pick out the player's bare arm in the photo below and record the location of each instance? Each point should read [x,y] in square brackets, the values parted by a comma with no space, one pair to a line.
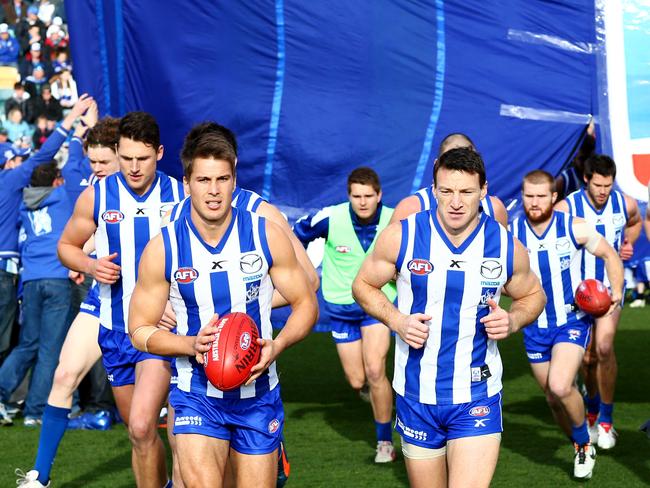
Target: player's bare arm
[632,228]
[646,222]
[290,280]
[500,212]
[587,236]
[378,269]
[148,304]
[78,230]
[406,207]
[562,206]
[270,212]
[528,299]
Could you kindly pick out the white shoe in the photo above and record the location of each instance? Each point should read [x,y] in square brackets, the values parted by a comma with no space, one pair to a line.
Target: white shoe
[606,436]
[364,393]
[583,465]
[385,452]
[29,479]
[638,303]
[5,419]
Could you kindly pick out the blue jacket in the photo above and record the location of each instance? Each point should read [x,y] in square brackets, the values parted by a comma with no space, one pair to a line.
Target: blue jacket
[12,182]
[76,171]
[43,214]
[9,51]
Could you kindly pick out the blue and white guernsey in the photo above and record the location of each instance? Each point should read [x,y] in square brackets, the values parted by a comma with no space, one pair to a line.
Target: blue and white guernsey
[126,222]
[428,201]
[231,277]
[242,199]
[458,363]
[609,221]
[554,258]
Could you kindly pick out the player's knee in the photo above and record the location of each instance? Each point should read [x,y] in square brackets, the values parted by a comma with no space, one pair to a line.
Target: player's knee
[356,381]
[590,358]
[559,389]
[605,351]
[141,430]
[65,378]
[375,373]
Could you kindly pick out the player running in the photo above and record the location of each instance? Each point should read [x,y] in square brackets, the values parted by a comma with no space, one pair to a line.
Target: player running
[452,264]
[556,341]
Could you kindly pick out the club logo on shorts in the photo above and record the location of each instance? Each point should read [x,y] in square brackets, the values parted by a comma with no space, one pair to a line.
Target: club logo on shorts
[112,216]
[491,269]
[250,263]
[420,267]
[274,425]
[245,341]
[343,249]
[479,411]
[574,334]
[186,275]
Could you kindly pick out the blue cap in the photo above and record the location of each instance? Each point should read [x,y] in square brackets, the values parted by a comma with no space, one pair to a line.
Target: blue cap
[32,9]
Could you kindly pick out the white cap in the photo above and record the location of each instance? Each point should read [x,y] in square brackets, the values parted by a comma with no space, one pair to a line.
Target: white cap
[4,28]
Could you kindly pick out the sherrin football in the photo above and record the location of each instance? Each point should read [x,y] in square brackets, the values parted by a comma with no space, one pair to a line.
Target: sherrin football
[593,297]
[233,352]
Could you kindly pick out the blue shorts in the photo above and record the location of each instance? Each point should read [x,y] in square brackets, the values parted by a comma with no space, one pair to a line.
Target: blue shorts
[90,305]
[539,342]
[252,426]
[349,330]
[120,357]
[642,271]
[432,426]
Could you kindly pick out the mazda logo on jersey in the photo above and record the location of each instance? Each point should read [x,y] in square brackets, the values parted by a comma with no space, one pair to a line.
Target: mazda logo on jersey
[186,275]
[166,207]
[562,244]
[618,220]
[420,267]
[112,216]
[250,263]
[491,269]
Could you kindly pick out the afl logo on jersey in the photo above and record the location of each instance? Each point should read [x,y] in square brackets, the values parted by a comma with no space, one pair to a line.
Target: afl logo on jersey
[479,411]
[112,216]
[420,267]
[491,269]
[343,249]
[186,275]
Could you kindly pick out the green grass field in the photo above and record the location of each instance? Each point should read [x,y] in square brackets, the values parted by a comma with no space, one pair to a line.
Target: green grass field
[330,434]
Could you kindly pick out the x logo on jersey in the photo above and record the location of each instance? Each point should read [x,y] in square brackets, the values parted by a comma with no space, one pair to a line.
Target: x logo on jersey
[217,264]
[542,246]
[455,264]
[139,211]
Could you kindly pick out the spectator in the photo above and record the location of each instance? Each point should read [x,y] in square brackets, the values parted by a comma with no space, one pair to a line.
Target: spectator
[9,47]
[14,11]
[46,292]
[46,11]
[30,29]
[21,100]
[56,39]
[35,82]
[61,61]
[5,145]
[64,89]
[34,58]
[16,126]
[41,133]
[47,105]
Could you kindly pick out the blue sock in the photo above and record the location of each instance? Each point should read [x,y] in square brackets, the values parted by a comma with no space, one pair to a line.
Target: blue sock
[580,434]
[169,484]
[593,404]
[606,412]
[55,420]
[384,432]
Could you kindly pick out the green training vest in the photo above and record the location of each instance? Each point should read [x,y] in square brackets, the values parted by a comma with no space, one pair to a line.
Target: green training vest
[344,255]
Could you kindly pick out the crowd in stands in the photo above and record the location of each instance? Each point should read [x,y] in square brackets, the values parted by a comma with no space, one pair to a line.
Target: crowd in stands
[34,45]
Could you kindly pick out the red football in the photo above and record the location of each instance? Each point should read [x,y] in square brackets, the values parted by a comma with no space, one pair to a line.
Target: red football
[233,353]
[593,297]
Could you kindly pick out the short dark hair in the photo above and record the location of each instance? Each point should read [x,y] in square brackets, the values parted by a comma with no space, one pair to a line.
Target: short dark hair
[454,140]
[105,133]
[364,176]
[461,159]
[208,140]
[601,164]
[140,127]
[19,84]
[45,174]
[537,177]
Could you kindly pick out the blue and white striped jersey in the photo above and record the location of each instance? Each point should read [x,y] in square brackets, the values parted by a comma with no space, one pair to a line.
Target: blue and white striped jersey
[126,222]
[572,181]
[555,259]
[231,277]
[428,201]
[242,199]
[458,363]
[609,221]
